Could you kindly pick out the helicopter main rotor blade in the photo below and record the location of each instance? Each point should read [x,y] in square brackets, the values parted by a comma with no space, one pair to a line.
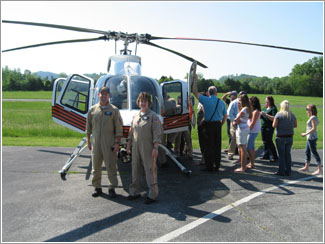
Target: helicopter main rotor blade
[235,42]
[57,42]
[177,53]
[64,27]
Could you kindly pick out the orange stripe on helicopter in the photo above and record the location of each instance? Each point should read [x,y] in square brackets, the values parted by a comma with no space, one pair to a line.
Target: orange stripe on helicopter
[126,131]
[76,116]
[176,121]
[69,116]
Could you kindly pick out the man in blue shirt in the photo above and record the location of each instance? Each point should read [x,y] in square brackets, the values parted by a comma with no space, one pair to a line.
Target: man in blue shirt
[232,114]
[215,115]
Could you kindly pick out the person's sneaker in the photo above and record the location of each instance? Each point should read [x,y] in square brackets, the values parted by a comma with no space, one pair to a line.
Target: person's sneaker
[97,192]
[231,157]
[149,200]
[132,197]
[111,193]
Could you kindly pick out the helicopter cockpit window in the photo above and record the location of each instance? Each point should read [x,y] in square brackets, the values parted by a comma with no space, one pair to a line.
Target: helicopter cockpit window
[76,94]
[118,91]
[143,84]
[173,100]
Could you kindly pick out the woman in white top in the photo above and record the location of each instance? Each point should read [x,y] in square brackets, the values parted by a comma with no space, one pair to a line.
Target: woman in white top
[242,131]
[311,134]
[254,126]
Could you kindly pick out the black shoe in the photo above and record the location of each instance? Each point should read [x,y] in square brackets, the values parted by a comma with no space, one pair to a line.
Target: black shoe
[206,170]
[265,157]
[273,160]
[278,173]
[111,193]
[149,200]
[132,197]
[97,192]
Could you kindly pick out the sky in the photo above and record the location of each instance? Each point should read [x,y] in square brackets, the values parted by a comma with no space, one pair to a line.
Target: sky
[289,24]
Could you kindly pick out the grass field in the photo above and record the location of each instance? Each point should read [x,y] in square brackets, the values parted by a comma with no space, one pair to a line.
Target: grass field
[27,94]
[30,123]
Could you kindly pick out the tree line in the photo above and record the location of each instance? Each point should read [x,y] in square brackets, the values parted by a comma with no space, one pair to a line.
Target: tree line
[304,80]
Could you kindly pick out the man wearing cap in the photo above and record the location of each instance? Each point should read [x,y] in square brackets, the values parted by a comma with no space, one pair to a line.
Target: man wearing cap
[232,114]
[233,96]
[104,123]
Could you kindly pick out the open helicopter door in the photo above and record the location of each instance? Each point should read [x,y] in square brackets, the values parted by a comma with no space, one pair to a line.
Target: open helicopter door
[71,99]
[191,100]
[175,112]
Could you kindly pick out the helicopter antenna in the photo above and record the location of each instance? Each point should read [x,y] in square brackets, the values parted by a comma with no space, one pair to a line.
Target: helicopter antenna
[115,47]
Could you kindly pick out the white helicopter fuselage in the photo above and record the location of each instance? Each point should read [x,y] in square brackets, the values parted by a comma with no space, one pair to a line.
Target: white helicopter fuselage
[73,96]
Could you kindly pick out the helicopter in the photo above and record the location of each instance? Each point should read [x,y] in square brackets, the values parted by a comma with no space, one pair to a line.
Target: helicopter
[73,96]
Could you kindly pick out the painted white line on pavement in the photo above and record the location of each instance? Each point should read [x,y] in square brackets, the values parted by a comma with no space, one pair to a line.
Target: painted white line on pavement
[172,235]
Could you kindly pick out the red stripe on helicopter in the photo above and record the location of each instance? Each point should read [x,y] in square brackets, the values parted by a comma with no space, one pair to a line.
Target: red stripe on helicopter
[76,116]
[176,121]
[70,118]
[126,131]
[69,115]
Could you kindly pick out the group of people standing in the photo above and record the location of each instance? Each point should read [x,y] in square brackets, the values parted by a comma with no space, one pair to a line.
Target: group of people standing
[246,119]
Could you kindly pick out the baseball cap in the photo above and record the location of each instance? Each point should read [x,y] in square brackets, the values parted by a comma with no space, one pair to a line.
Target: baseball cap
[233,93]
[104,89]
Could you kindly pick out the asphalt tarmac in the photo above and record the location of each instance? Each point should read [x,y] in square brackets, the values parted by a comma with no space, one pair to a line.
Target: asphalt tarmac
[255,206]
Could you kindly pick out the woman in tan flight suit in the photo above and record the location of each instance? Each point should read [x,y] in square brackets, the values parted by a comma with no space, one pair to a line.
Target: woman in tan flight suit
[144,136]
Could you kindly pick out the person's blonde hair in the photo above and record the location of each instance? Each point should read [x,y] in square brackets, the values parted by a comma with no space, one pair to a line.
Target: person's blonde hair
[285,109]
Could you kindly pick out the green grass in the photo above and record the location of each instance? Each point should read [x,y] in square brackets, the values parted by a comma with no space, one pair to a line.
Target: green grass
[27,94]
[31,124]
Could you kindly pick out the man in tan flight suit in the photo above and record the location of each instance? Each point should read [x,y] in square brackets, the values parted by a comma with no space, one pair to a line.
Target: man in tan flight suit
[104,123]
[144,136]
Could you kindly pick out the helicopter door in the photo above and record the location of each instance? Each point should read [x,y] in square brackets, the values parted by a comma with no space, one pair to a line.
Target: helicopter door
[175,112]
[71,100]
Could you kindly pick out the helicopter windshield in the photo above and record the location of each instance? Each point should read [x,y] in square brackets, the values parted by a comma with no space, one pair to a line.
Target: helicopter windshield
[143,84]
[118,91]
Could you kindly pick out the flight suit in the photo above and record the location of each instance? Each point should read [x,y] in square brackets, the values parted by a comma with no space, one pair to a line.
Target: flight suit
[145,130]
[105,124]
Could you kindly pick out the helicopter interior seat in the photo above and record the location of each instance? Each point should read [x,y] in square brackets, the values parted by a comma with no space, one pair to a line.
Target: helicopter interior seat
[124,104]
[178,109]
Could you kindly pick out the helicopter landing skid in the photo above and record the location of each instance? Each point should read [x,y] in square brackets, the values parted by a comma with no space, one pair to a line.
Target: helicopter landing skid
[179,165]
[82,145]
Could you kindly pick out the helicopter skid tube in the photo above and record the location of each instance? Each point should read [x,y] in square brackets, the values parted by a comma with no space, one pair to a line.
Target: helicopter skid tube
[179,165]
[82,145]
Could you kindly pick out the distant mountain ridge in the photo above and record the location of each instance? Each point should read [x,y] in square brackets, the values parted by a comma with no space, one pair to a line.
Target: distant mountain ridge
[47,75]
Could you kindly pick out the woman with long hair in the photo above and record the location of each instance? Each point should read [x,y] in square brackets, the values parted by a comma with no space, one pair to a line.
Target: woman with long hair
[284,122]
[267,117]
[311,134]
[242,131]
[254,126]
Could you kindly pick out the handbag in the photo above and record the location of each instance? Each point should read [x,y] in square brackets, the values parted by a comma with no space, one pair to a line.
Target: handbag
[205,123]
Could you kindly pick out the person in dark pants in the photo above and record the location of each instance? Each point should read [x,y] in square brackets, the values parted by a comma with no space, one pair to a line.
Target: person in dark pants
[284,121]
[215,115]
[267,117]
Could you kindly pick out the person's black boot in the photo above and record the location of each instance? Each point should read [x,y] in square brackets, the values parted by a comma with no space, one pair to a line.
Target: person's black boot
[111,193]
[97,192]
